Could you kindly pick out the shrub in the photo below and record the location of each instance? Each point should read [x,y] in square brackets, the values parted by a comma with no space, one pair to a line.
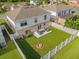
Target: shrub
[73,22]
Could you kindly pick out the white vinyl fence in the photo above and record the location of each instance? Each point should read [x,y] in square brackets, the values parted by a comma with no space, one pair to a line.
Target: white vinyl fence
[59,47]
[12,38]
[19,50]
[63,28]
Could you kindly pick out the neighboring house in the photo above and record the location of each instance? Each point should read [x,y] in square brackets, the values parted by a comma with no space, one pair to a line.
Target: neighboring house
[74,1]
[28,19]
[59,10]
[34,2]
[8,6]
[2,39]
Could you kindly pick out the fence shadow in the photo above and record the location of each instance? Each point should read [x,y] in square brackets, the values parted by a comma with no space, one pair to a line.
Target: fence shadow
[28,51]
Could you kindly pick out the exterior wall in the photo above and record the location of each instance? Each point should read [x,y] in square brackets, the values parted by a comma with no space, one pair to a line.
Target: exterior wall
[33,28]
[30,22]
[31,25]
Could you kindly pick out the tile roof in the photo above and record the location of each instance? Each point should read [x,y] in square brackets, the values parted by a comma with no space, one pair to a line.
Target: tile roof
[27,12]
[57,7]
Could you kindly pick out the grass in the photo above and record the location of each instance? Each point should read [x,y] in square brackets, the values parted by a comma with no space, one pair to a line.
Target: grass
[3,11]
[10,51]
[11,55]
[71,51]
[2,22]
[50,40]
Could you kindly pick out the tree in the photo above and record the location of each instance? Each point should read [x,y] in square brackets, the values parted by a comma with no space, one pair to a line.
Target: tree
[14,0]
[3,0]
[47,1]
[39,2]
[73,22]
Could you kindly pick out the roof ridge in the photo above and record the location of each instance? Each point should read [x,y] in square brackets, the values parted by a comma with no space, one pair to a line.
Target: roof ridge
[18,11]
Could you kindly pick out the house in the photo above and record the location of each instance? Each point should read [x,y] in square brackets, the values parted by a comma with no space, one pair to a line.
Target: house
[2,39]
[26,19]
[74,1]
[8,6]
[59,10]
[35,2]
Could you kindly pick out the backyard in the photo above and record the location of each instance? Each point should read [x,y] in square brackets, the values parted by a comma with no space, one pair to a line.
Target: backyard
[49,41]
[71,51]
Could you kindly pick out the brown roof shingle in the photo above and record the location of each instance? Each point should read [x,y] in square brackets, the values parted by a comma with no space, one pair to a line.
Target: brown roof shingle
[25,12]
[57,7]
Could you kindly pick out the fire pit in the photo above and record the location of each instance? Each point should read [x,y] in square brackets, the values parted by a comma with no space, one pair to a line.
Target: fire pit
[39,45]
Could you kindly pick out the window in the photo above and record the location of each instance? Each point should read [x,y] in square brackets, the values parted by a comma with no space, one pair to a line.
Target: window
[59,14]
[23,23]
[0,46]
[35,20]
[44,23]
[39,26]
[73,11]
[3,44]
[69,10]
[45,17]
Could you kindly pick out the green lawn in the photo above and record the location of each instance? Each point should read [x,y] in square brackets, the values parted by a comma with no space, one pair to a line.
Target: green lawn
[10,52]
[11,55]
[49,41]
[71,51]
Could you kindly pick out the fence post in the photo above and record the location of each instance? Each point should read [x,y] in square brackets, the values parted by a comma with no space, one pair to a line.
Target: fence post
[41,58]
[19,50]
[65,42]
[49,55]
[55,49]
[61,45]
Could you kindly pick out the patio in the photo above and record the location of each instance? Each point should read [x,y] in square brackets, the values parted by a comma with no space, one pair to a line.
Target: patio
[41,33]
